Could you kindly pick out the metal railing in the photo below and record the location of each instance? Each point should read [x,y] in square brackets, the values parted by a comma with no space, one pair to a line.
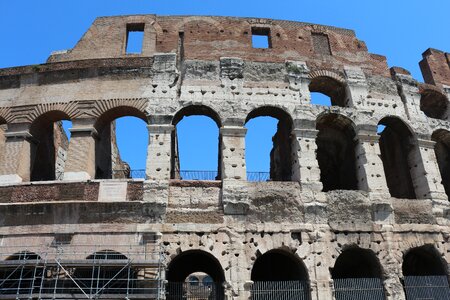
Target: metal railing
[258,176]
[427,287]
[283,290]
[137,173]
[359,289]
[190,291]
[84,271]
[198,175]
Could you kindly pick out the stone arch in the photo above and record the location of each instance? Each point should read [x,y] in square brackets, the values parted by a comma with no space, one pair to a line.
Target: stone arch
[281,154]
[193,110]
[357,273]
[356,262]
[442,152]
[49,147]
[424,260]
[425,273]
[279,265]
[336,152]
[399,153]
[433,102]
[330,84]
[280,275]
[107,164]
[17,278]
[99,274]
[192,261]
[197,110]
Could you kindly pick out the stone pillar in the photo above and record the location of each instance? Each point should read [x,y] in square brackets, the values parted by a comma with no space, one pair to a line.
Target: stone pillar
[369,166]
[233,152]
[305,167]
[159,152]
[298,77]
[427,177]
[409,92]
[158,166]
[16,160]
[356,86]
[234,171]
[80,164]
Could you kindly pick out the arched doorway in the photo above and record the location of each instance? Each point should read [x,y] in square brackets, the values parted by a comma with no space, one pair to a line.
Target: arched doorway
[336,152]
[280,155]
[278,274]
[21,276]
[425,274]
[399,153]
[195,274]
[196,142]
[357,275]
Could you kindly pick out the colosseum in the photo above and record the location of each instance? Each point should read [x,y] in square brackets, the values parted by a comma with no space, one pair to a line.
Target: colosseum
[355,206]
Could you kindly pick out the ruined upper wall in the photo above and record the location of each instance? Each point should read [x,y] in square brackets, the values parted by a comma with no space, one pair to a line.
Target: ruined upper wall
[435,67]
[209,38]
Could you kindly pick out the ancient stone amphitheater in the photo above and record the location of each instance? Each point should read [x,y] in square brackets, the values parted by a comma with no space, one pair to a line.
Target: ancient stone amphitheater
[356,205]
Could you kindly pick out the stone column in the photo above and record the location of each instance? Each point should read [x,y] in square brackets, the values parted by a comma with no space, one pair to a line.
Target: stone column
[233,169]
[16,160]
[158,166]
[356,86]
[369,166]
[159,152]
[80,164]
[233,153]
[305,167]
[427,177]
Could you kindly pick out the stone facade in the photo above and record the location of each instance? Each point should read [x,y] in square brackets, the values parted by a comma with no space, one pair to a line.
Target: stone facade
[337,185]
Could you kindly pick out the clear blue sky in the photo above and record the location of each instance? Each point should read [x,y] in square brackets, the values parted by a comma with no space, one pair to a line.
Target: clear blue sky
[398,29]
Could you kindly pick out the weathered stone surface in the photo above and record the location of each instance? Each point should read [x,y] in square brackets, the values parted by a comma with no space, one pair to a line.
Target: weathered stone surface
[331,184]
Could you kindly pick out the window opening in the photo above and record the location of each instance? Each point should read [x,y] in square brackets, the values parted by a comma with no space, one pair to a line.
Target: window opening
[261,38]
[135,38]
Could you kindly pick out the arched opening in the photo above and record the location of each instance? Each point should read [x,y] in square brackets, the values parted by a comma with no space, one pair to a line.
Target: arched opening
[49,147]
[121,144]
[442,152]
[434,104]
[196,144]
[21,274]
[336,152]
[194,263]
[280,156]
[357,275]
[278,274]
[399,155]
[335,90]
[425,274]
[106,272]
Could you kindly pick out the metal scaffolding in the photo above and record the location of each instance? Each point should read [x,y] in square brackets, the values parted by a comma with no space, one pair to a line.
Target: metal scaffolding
[82,272]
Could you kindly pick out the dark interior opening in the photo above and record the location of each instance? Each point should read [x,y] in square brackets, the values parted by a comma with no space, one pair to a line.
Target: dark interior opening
[113,279]
[434,104]
[397,150]
[49,146]
[336,153]
[277,265]
[330,87]
[356,263]
[17,279]
[423,261]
